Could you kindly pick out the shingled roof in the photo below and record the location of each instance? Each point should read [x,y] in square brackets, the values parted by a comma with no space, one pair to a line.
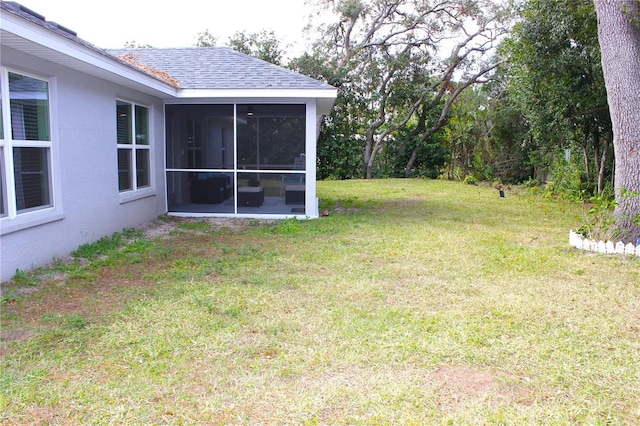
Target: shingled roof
[219,68]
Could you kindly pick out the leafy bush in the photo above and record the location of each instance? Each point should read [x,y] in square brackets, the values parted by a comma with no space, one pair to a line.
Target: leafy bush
[569,182]
[470,180]
[599,219]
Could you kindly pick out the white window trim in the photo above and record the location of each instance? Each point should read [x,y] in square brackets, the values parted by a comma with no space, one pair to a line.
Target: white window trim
[15,221]
[147,191]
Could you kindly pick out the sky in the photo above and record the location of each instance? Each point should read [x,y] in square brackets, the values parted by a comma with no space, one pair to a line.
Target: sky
[112,23]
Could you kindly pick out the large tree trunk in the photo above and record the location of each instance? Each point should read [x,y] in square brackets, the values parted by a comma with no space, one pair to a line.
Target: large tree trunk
[619,36]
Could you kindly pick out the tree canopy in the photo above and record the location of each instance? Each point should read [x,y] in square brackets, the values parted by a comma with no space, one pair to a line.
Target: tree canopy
[555,76]
[399,66]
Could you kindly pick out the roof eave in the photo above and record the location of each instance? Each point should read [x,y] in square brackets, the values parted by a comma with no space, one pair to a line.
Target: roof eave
[33,39]
[325,98]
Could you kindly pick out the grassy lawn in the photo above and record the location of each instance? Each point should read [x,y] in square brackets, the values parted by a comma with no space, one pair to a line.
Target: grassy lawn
[414,302]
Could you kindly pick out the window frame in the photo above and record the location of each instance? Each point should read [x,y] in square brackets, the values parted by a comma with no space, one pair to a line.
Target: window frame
[13,219]
[133,147]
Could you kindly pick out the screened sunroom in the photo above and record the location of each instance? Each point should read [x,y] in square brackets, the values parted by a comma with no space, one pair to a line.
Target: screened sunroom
[240,133]
[241,159]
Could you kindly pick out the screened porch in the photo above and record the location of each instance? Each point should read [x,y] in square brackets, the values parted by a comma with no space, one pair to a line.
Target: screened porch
[239,159]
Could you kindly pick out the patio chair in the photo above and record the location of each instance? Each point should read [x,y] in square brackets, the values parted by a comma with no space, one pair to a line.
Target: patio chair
[294,179]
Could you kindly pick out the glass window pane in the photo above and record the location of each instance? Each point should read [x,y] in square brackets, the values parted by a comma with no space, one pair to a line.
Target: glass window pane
[29,105]
[271,193]
[124,170]
[142,125]
[142,168]
[31,169]
[271,137]
[200,192]
[123,122]
[200,136]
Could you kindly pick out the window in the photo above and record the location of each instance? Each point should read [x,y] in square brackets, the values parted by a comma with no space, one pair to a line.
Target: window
[25,145]
[134,163]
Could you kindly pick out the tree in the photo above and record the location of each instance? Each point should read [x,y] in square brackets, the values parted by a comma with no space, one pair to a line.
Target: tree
[262,45]
[206,39]
[487,136]
[403,62]
[619,36]
[132,44]
[340,144]
[554,72]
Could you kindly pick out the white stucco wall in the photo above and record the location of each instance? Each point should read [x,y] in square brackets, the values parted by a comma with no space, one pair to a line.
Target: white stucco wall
[85,165]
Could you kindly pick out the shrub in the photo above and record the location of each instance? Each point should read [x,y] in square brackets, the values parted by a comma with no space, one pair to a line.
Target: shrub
[599,219]
[470,180]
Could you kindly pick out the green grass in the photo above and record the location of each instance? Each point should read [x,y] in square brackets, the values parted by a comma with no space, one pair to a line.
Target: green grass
[105,245]
[413,302]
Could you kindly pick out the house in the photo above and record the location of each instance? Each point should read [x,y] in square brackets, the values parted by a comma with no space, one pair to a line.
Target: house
[94,141]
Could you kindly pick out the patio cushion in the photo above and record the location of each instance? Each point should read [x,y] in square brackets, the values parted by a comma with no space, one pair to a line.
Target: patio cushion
[250,196]
[210,190]
[294,194]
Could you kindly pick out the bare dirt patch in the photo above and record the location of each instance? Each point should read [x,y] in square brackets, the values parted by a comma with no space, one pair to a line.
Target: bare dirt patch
[460,384]
[167,225]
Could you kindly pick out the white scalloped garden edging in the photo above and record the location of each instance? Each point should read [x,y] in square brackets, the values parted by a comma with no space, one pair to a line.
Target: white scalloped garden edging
[577,241]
